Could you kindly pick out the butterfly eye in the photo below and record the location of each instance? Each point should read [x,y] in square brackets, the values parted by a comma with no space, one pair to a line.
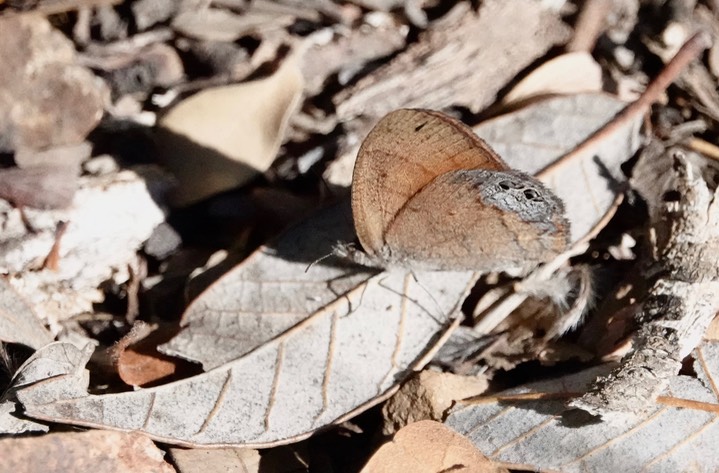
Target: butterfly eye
[532,194]
[506,185]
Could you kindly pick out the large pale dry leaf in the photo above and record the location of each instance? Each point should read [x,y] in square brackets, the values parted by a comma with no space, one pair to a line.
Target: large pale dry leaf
[222,137]
[100,451]
[533,138]
[429,447]
[318,347]
[18,322]
[271,291]
[679,434]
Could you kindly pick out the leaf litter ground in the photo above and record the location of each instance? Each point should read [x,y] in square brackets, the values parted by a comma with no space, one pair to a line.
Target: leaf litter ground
[290,348]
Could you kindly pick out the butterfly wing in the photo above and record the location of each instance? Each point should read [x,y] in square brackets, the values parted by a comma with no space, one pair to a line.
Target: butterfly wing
[478,220]
[404,152]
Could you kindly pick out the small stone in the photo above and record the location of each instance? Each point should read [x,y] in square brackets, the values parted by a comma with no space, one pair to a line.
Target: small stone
[35,57]
[163,242]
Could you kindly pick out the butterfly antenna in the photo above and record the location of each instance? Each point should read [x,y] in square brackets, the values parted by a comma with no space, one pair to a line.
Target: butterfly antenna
[321,258]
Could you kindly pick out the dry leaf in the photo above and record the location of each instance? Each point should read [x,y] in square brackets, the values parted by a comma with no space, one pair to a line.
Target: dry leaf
[319,346]
[137,359]
[222,137]
[96,450]
[56,359]
[11,422]
[429,447]
[18,322]
[535,137]
[270,292]
[571,73]
[677,435]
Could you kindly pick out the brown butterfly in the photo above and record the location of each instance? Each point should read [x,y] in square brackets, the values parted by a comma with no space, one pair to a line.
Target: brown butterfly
[428,194]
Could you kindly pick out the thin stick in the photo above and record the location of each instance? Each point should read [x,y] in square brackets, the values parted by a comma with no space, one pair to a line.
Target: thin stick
[590,24]
[700,146]
[688,52]
[52,260]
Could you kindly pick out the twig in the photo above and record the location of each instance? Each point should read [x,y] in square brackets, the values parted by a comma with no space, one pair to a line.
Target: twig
[590,24]
[704,147]
[52,260]
[678,307]
[686,54]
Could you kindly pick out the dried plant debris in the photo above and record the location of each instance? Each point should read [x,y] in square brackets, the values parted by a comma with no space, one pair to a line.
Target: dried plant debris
[220,138]
[144,288]
[301,387]
[429,446]
[109,219]
[448,66]
[516,427]
[679,306]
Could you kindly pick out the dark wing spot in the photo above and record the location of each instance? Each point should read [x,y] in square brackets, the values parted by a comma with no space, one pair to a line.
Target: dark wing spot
[419,127]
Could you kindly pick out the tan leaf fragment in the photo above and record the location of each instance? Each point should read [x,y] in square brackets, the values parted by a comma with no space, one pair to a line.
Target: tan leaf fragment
[18,322]
[428,395]
[570,73]
[222,137]
[463,59]
[429,447]
[216,460]
[531,428]
[138,362]
[96,450]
